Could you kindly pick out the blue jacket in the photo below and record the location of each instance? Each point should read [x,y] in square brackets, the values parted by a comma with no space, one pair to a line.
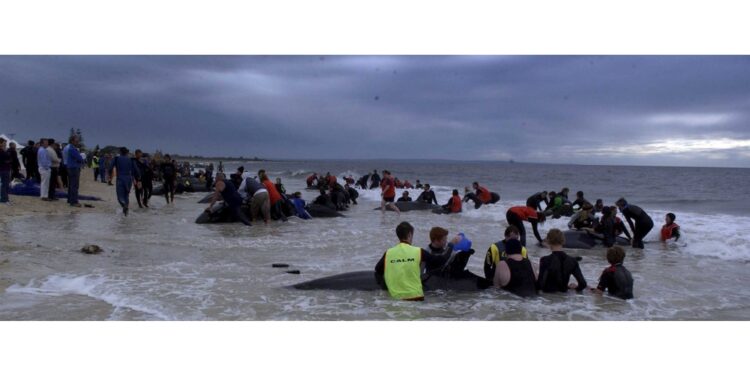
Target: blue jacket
[299,206]
[125,168]
[72,158]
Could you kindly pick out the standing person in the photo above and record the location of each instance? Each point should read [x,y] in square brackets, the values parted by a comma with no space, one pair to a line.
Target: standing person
[6,165]
[221,167]
[62,154]
[643,222]
[616,279]
[518,214]
[103,168]
[209,176]
[515,273]
[535,201]
[388,193]
[95,166]
[168,175]
[74,164]
[273,195]
[54,179]
[555,269]
[226,192]
[427,196]
[260,203]
[400,271]
[15,164]
[375,179]
[144,183]
[125,170]
[28,156]
[45,166]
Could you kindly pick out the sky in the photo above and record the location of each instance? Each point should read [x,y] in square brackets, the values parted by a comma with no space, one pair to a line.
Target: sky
[619,110]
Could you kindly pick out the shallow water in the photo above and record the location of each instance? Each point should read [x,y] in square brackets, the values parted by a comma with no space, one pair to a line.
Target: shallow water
[159,265]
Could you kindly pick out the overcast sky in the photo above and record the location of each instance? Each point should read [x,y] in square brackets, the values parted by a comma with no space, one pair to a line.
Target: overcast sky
[649,110]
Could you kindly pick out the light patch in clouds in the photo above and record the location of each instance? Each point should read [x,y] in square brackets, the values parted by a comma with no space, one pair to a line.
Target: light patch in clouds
[690,119]
[674,146]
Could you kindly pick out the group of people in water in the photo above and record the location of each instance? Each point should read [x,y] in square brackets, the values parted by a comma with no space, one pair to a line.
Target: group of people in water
[402,268]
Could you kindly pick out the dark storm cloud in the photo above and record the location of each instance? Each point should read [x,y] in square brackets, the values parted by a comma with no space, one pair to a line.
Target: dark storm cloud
[586,109]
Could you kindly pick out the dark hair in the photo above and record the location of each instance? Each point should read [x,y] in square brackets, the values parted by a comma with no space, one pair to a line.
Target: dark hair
[71,138]
[513,246]
[241,169]
[406,192]
[615,255]
[621,202]
[475,183]
[403,230]
[167,156]
[138,151]
[579,194]
[455,191]
[50,140]
[2,140]
[427,185]
[124,150]
[511,229]
[31,143]
[671,217]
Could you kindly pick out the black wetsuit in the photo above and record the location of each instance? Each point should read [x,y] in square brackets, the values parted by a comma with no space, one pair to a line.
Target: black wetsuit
[522,281]
[236,179]
[513,219]
[168,174]
[233,199]
[555,271]
[30,162]
[427,197]
[143,194]
[362,182]
[404,199]
[535,201]
[353,194]
[643,223]
[618,281]
[579,202]
[375,181]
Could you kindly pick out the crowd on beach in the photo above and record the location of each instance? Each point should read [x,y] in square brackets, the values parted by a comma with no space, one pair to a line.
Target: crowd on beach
[55,166]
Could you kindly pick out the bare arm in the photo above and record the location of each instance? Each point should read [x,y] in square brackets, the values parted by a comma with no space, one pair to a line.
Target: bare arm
[502,275]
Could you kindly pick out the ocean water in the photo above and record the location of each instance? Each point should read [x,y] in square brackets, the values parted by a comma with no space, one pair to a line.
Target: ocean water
[159,265]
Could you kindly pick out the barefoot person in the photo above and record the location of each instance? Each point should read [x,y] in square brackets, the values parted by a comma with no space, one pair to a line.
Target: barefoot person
[388,193]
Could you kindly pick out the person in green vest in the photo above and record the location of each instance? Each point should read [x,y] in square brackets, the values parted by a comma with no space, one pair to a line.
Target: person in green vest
[400,269]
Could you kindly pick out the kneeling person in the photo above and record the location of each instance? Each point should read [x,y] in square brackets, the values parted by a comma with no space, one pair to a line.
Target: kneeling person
[616,278]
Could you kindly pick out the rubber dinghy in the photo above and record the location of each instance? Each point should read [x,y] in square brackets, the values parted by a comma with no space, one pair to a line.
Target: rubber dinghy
[578,239]
[365,281]
[412,206]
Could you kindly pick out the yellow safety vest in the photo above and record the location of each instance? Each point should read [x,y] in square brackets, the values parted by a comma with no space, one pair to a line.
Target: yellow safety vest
[402,272]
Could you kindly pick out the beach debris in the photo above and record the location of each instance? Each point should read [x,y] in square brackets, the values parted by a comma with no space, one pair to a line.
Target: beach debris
[91,249]
[293,272]
[280,265]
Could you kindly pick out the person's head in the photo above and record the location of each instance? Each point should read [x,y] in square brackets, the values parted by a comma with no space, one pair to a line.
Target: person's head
[555,238]
[386,173]
[544,194]
[167,158]
[405,194]
[297,194]
[552,194]
[278,180]
[615,255]
[466,189]
[512,232]
[599,203]
[606,211]
[565,191]
[426,187]
[375,171]
[513,246]
[44,142]
[621,203]
[241,170]
[438,237]
[2,144]
[475,185]
[124,151]
[455,192]
[261,173]
[670,218]
[138,154]
[405,232]
[12,146]
[612,211]
[579,194]
[73,140]
[417,181]
[31,143]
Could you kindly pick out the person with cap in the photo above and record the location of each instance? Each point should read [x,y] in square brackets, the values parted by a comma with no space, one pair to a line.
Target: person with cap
[555,269]
[125,170]
[515,273]
[670,229]
[400,269]
[226,192]
[643,223]
[496,252]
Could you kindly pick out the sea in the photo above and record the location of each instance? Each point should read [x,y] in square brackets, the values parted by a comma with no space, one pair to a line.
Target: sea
[158,264]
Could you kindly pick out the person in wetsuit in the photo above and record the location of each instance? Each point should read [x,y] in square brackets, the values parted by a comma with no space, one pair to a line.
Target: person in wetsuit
[439,246]
[427,196]
[518,214]
[362,182]
[580,201]
[615,279]
[555,269]
[324,200]
[515,273]
[375,180]
[608,226]
[237,178]
[400,269]
[670,229]
[352,194]
[418,185]
[496,252]
[143,186]
[643,223]
[226,192]
[535,201]
[168,175]
[404,197]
